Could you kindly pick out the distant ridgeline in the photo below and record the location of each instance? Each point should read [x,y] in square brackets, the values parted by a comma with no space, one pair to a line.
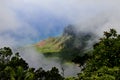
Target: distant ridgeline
[68,46]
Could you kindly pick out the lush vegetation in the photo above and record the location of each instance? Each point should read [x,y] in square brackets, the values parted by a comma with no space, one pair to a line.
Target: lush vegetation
[13,67]
[104,63]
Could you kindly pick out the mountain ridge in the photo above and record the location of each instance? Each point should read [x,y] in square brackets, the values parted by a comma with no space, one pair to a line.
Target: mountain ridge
[67,46]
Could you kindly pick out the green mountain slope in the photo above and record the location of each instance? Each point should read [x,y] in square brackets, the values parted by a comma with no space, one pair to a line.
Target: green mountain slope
[67,46]
[52,44]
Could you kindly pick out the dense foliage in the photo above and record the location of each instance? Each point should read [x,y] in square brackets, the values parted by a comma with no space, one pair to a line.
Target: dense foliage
[13,67]
[105,61]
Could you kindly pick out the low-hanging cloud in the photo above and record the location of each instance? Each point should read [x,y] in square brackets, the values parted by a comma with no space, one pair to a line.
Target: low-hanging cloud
[13,31]
[38,60]
[16,17]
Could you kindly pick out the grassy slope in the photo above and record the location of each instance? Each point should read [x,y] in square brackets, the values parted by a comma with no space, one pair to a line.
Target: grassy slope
[59,46]
[51,44]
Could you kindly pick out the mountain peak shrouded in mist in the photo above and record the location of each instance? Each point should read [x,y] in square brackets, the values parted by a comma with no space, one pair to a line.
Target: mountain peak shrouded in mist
[69,30]
[68,45]
[78,38]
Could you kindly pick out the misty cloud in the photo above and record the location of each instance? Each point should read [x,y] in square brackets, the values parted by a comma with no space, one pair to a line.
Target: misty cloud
[37,60]
[24,17]
[11,27]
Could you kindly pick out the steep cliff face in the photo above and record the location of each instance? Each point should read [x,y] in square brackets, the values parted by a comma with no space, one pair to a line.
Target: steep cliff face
[67,46]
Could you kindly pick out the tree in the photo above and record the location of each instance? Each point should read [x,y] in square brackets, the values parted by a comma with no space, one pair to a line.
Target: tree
[13,67]
[105,60]
[52,74]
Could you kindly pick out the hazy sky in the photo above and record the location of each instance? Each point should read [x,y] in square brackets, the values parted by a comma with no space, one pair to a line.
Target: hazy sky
[26,21]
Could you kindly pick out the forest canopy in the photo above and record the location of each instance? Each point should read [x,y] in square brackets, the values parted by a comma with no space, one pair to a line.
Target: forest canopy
[105,60]
[13,67]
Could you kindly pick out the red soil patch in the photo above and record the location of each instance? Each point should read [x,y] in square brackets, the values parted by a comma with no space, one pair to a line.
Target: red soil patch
[42,43]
